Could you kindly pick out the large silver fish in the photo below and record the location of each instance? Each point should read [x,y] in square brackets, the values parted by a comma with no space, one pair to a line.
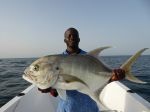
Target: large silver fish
[84,73]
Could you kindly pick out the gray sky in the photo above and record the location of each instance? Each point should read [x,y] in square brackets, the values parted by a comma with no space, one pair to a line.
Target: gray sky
[33,28]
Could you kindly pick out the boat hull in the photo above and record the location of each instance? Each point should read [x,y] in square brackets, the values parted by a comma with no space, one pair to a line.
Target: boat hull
[115,96]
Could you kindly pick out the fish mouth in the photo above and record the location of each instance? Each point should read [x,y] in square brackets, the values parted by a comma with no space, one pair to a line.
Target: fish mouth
[27,77]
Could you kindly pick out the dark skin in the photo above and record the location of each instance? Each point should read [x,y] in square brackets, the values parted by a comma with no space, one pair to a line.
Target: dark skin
[117,74]
[72,42]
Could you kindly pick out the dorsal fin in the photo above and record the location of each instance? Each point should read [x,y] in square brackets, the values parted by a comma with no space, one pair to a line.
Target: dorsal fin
[97,51]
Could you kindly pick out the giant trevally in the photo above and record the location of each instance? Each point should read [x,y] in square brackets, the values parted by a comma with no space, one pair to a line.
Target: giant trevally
[84,73]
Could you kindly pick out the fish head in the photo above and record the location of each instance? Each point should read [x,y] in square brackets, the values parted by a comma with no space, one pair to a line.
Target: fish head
[42,74]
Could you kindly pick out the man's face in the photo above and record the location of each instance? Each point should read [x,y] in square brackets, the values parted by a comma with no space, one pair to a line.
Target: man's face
[72,38]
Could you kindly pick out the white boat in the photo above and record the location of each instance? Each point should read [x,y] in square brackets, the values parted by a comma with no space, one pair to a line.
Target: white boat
[115,95]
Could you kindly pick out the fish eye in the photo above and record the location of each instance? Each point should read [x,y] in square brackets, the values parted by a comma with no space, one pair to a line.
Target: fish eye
[36,68]
[57,68]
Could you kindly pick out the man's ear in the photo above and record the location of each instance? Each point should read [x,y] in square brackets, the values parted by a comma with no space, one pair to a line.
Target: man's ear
[65,40]
[79,40]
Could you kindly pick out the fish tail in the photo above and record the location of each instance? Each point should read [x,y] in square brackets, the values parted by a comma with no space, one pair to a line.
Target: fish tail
[127,67]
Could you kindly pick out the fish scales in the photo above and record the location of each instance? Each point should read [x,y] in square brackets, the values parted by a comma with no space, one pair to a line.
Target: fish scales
[84,73]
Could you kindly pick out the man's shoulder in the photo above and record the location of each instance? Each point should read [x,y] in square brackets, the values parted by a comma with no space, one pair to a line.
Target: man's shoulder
[65,53]
[82,51]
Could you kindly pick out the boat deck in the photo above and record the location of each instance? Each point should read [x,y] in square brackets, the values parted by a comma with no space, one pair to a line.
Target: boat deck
[115,96]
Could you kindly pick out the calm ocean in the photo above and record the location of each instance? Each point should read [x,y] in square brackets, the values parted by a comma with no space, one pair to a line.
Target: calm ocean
[11,70]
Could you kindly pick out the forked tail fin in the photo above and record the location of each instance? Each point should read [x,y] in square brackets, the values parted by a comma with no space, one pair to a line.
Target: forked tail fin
[127,67]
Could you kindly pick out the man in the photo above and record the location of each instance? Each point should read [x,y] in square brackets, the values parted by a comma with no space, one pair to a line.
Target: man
[76,101]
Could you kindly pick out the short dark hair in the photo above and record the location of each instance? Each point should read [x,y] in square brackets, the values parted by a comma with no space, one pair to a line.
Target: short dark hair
[72,29]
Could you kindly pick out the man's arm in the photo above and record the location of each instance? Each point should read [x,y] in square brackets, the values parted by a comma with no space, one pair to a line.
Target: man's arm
[52,91]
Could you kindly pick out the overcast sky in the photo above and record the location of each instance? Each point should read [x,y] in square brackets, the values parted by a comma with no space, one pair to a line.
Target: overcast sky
[33,28]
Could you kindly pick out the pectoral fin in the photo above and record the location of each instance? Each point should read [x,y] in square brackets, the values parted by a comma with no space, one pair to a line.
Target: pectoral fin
[69,82]
[69,78]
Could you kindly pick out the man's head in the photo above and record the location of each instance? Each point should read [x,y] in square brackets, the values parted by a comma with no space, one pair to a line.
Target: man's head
[72,38]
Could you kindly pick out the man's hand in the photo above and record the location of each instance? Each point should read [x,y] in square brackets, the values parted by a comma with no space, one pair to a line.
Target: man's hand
[117,74]
[52,91]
